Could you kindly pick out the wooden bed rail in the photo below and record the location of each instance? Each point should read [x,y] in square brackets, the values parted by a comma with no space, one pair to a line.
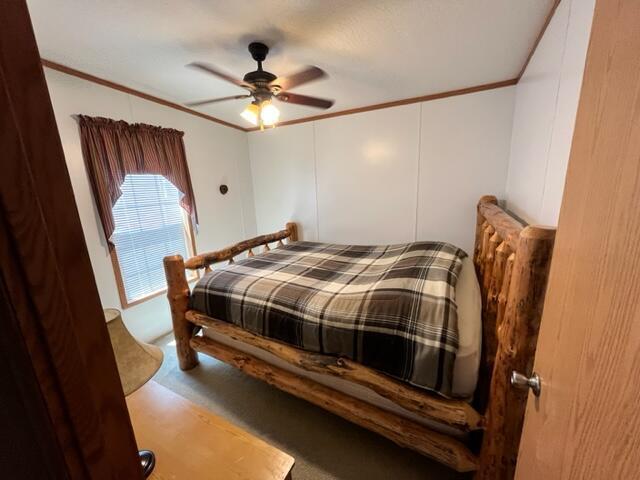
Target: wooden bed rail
[404,432]
[457,414]
[204,260]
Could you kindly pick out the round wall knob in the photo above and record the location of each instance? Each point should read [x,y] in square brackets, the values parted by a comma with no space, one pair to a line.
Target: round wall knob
[224,189]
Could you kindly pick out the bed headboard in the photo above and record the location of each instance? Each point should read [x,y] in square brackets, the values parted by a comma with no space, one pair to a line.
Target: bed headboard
[512,262]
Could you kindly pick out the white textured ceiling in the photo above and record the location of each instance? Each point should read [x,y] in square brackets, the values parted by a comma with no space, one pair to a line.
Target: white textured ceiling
[373,50]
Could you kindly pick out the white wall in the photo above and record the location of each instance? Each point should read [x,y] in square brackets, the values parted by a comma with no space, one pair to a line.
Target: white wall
[546,103]
[406,173]
[392,175]
[215,154]
[464,155]
[366,171]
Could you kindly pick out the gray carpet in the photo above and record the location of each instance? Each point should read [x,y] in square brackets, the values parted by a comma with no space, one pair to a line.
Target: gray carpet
[323,445]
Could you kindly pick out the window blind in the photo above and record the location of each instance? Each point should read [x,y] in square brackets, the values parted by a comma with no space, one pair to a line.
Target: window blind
[149,225]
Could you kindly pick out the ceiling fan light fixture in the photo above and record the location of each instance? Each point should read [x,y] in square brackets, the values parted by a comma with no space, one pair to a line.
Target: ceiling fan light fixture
[264,86]
[269,113]
[251,113]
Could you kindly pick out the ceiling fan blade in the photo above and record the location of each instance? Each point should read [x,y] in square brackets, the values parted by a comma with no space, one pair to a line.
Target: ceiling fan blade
[215,100]
[304,100]
[303,76]
[209,69]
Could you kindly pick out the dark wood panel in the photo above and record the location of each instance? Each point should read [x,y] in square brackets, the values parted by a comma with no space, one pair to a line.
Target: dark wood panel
[33,436]
[49,277]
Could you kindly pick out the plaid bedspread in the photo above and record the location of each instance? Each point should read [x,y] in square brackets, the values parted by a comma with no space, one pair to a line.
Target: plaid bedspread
[389,307]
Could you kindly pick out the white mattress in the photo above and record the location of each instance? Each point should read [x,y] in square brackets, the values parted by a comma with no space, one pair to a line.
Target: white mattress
[465,369]
[469,300]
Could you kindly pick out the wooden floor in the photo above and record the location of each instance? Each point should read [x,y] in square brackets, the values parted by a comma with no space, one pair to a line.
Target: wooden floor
[325,446]
[192,443]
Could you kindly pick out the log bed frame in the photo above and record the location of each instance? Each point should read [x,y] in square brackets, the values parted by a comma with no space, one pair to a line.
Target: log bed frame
[512,263]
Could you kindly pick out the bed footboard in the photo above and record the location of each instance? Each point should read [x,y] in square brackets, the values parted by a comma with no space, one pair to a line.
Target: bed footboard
[178,289]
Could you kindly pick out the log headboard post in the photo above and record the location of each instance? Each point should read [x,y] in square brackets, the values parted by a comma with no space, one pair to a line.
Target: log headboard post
[292,228]
[178,295]
[512,261]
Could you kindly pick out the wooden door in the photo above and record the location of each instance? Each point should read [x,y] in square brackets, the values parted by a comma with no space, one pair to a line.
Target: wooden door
[586,423]
[62,408]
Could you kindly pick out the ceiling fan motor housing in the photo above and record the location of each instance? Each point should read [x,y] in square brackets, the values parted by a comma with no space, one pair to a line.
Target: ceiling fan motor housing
[260,78]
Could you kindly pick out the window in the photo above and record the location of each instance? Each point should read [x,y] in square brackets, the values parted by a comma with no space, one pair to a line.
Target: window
[149,225]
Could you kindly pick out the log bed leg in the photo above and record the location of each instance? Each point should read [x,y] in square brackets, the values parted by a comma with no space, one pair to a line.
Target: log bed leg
[178,295]
[517,340]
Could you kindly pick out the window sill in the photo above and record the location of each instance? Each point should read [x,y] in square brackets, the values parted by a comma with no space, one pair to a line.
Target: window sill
[132,303]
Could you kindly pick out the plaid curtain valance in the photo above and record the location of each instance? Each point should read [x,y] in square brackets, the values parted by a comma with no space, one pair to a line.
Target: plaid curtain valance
[112,149]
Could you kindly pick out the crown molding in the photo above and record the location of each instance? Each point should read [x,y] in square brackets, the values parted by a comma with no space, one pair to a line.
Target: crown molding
[122,88]
[547,21]
[396,103]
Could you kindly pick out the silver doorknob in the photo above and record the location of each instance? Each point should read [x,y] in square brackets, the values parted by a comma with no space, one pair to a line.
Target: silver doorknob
[523,382]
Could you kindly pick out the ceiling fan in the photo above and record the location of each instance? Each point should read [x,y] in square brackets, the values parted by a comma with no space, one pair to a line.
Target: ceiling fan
[264,86]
